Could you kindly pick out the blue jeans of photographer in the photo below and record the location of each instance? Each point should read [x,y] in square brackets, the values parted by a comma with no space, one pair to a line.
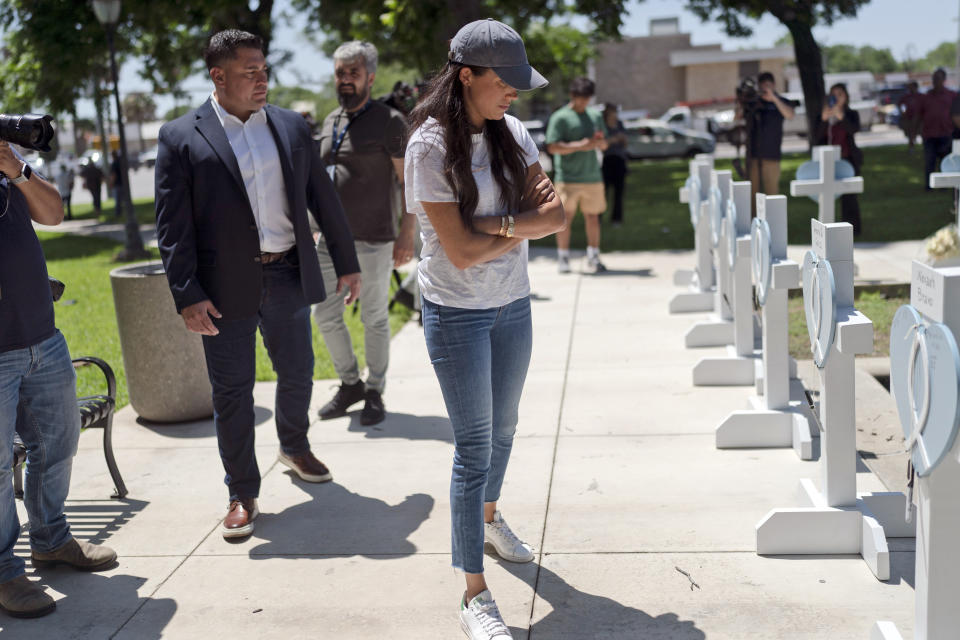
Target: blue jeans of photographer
[481,358]
[38,398]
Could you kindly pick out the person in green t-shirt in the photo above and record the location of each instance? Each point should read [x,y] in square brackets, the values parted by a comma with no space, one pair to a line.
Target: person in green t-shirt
[574,136]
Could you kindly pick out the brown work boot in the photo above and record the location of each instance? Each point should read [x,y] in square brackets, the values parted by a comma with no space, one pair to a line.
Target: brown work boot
[240,517]
[78,554]
[307,467]
[24,599]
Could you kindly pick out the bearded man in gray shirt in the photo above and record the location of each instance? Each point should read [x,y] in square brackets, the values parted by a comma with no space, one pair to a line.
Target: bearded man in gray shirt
[362,145]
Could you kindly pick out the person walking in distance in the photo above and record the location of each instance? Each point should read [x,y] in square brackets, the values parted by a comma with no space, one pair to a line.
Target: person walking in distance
[236,179]
[362,144]
[615,161]
[574,135]
[92,181]
[936,125]
[64,178]
[474,180]
[910,120]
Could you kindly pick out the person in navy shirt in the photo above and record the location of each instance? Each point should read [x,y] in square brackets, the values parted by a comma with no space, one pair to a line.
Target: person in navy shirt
[38,396]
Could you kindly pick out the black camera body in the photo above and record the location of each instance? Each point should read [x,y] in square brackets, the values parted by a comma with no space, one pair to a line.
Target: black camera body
[31,130]
[748,95]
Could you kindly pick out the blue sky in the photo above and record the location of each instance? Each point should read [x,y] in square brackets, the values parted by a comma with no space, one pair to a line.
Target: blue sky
[906,27]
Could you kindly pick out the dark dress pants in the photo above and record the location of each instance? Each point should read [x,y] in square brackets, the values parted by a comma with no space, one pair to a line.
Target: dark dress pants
[284,321]
[615,175]
[934,150]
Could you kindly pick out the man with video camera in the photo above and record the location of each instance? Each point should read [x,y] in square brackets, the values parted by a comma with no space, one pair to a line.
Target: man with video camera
[763,112]
[38,397]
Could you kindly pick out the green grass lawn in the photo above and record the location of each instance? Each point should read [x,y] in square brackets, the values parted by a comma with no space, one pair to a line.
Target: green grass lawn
[894,205]
[875,306]
[86,315]
[142,207]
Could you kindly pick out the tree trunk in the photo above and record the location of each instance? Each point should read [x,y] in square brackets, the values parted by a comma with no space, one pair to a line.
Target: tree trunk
[810,64]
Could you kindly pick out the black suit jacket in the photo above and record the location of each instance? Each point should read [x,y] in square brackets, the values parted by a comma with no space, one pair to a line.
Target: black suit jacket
[206,230]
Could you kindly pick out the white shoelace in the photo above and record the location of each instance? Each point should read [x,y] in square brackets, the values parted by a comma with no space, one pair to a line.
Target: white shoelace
[488,615]
[506,532]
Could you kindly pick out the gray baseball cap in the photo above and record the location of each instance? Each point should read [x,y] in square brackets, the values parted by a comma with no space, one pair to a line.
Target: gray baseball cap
[489,43]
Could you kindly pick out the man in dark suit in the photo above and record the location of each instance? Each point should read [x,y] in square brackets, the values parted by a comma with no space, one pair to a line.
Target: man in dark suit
[235,180]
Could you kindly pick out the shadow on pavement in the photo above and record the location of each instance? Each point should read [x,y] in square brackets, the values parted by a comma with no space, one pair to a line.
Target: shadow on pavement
[94,605]
[405,425]
[339,522]
[94,521]
[575,612]
[199,428]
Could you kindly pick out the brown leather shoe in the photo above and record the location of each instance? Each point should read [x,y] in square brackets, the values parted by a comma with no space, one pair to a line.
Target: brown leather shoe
[24,599]
[307,467]
[240,517]
[78,554]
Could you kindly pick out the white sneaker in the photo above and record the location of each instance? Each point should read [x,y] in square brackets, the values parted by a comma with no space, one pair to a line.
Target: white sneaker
[563,264]
[594,266]
[508,545]
[481,620]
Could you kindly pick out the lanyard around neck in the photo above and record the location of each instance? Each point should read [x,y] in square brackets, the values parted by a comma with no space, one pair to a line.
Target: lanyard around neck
[338,136]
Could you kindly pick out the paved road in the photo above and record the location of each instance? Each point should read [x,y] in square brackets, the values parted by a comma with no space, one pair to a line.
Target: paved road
[142,179]
[879,136]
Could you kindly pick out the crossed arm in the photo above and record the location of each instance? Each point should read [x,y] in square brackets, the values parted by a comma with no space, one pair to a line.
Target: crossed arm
[541,214]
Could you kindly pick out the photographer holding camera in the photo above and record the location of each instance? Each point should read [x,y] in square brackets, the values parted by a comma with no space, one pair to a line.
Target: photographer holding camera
[763,112]
[38,395]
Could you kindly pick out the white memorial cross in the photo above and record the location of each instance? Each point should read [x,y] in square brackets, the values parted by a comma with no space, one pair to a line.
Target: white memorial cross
[739,365]
[837,520]
[949,179]
[717,330]
[925,380]
[695,193]
[775,419]
[826,188]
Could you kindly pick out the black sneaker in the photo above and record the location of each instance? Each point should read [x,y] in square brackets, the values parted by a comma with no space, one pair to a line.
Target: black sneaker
[373,410]
[347,396]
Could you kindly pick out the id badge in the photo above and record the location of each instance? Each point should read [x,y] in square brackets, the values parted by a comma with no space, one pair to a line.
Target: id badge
[332,172]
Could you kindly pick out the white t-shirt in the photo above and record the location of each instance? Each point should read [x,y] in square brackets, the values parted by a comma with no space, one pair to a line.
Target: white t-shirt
[487,285]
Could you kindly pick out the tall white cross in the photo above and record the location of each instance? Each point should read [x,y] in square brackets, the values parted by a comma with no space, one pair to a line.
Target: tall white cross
[776,418]
[836,520]
[826,188]
[931,326]
[737,367]
[700,293]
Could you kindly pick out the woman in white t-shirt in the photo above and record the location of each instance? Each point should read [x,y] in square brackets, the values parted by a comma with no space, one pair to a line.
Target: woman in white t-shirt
[474,180]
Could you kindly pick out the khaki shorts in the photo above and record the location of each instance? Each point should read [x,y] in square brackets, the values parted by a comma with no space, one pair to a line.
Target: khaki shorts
[590,196]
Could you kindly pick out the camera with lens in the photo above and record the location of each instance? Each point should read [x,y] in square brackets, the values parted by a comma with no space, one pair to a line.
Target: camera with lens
[748,96]
[31,130]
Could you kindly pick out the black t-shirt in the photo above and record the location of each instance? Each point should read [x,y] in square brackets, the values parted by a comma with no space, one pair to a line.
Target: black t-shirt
[765,130]
[26,304]
[363,159]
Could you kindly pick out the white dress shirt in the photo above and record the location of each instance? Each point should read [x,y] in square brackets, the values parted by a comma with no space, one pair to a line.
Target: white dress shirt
[256,151]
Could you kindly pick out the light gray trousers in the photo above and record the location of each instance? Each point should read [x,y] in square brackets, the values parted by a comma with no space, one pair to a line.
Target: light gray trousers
[376,266]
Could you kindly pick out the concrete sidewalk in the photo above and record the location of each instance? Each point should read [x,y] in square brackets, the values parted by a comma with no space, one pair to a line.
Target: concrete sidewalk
[614,479]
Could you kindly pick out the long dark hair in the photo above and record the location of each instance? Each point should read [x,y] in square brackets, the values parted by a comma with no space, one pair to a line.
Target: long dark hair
[846,94]
[444,101]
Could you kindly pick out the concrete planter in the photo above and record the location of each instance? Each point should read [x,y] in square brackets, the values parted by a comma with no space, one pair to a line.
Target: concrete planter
[165,368]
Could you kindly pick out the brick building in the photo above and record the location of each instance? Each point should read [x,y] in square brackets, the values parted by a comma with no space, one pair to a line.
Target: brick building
[656,72]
